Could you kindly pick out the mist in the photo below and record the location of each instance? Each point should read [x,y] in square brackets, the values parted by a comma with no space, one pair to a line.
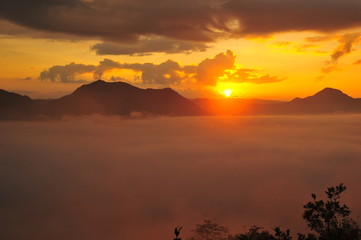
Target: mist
[111,178]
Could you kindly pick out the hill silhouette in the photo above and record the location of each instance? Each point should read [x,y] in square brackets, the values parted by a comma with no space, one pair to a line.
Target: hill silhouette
[100,97]
[120,98]
[326,101]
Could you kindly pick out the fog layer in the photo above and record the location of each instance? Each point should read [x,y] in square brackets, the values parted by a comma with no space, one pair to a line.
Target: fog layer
[111,178]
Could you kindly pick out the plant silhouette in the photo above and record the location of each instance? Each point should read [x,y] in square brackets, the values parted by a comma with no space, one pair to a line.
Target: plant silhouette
[330,220]
[327,219]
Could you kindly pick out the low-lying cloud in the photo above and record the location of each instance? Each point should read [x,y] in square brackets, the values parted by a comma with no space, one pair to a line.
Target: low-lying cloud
[110,178]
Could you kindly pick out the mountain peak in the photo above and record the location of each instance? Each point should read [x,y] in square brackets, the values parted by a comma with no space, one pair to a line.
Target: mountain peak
[326,95]
[331,94]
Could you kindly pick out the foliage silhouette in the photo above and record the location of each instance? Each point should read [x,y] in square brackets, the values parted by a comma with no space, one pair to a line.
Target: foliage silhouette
[327,219]
[210,231]
[254,233]
[330,220]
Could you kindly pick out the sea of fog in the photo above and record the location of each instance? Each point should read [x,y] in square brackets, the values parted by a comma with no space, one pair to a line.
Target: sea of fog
[100,178]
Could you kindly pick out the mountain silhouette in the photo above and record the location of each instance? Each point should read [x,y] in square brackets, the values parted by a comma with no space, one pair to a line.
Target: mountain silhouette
[120,98]
[13,105]
[100,97]
[327,95]
[328,100]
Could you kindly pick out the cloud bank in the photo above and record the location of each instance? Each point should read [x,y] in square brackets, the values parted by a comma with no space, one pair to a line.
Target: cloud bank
[208,72]
[187,20]
[108,178]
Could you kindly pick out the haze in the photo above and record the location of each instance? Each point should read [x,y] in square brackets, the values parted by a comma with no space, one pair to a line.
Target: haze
[131,179]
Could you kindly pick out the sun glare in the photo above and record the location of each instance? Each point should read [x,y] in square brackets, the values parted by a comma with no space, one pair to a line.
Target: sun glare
[227,92]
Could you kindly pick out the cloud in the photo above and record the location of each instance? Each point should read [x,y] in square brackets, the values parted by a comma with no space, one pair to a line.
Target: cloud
[245,75]
[324,38]
[67,73]
[208,72]
[187,20]
[345,47]
[148,47]
[357,62]
[110,178]
[266,17]
[165,73]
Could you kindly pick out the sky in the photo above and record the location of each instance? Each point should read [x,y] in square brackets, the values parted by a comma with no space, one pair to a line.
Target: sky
[269,49]
[110,178]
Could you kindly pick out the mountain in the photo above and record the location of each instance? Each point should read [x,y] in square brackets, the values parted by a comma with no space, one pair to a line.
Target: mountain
[100,97]
[13,105]
[326,101]
[119,98]
[327,95]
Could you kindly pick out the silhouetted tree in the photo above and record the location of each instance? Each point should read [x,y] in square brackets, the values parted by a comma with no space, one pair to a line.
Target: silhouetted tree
[210,231]
[330,219]
[255,233]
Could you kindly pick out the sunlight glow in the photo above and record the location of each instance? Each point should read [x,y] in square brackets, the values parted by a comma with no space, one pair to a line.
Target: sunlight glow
[227,92]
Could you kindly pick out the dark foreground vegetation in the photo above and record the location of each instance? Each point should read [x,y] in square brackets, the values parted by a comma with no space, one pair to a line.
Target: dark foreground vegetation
[327,219]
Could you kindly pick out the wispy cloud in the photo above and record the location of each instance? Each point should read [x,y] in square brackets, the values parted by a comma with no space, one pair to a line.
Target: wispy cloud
[345,46]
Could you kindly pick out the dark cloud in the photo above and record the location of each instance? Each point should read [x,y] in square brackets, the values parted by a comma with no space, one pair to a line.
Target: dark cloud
[108,178]
[345,47]
[207,73]
[266,17]
[148,47]
[67,73]
[196,21]
[165,73]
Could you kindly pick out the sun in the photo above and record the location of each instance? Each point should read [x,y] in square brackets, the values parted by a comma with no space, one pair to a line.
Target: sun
[227,92]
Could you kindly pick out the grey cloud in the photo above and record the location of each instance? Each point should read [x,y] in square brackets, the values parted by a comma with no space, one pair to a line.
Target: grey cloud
[67,73]
[206,73]
[202,21]
[106,178]
[148,47]
[164,73]
[345,47]
[267,17]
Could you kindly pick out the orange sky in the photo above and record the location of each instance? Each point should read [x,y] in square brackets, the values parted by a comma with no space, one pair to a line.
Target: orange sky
[198,48]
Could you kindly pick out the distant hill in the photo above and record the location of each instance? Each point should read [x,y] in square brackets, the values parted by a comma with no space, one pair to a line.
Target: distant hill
[327,101]
[13,105]
[100,97]
[119,98]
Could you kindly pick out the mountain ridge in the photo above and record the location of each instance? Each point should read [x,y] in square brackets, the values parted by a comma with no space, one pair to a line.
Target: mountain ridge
[120,98]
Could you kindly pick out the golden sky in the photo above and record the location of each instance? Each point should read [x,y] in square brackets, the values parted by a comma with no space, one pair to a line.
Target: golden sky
[265,49]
